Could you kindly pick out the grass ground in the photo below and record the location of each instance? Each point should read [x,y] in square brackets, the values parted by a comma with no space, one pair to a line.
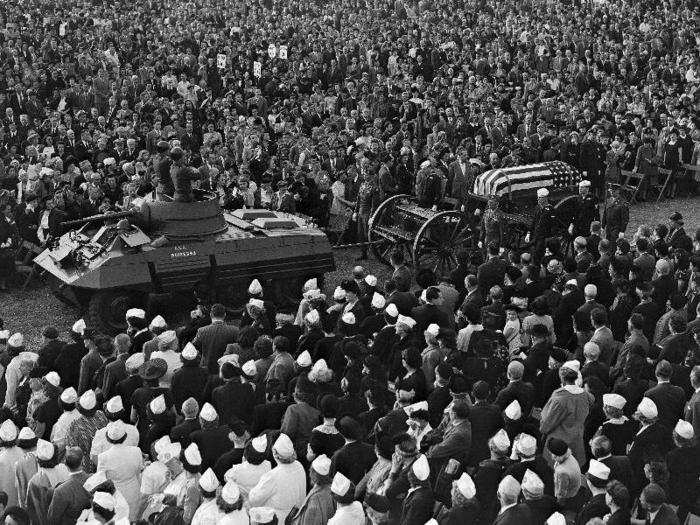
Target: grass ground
[28,311]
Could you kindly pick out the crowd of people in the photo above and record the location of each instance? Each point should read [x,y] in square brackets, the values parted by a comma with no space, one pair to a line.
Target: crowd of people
[507,392]
[526,387]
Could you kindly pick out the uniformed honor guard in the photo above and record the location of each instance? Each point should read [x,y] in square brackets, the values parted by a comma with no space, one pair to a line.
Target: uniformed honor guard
[491,224]
[585,210]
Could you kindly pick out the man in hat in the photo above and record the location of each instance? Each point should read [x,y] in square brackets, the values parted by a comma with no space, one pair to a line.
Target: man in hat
[652,438]
[50,348]
[543,224]
[616,216]
[511,512]
[597,478]
[182,176]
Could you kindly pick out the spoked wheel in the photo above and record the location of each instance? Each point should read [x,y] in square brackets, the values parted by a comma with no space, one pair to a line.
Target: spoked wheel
[439,240]
[383,232]
[107,309]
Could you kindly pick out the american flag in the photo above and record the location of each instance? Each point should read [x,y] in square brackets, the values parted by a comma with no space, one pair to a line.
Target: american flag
[554,174]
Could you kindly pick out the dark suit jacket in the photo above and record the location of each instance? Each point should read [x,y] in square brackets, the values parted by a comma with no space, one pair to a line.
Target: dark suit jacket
[620,468]
[665,516]
[418,507]
[517,515]
[670,401]
[354,460]
[234,400]
[427,314]
[491,273]
[486,419]
[594,508]
[523,392]
[181,433]
[539,466]
[68,501]
[211,341]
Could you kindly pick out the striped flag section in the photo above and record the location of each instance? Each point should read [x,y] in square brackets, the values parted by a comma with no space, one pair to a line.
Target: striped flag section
[554,174]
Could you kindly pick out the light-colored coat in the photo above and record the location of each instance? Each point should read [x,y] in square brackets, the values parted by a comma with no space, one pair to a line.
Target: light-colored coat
[123,465]
[24,471]
[563,417]
[318,507]
[9,456]
[281,489]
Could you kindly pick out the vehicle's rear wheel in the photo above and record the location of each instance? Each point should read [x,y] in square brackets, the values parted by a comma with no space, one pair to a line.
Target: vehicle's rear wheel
[107,309]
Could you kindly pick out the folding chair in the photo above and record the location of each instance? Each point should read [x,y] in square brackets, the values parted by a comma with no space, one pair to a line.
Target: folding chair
[24,264]
[633,184]
[668,177]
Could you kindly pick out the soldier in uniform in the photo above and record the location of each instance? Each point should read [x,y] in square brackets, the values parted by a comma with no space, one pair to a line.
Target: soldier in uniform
[364,206]
[585,210]
[542,225]
[182,176]
[617,215]
[491,224]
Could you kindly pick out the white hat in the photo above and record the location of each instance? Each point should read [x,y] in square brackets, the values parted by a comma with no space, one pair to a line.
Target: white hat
[259,443]
[590,290]
[249,369]
[208,413]
[53,378]
[115,405]
[433,329]
[572,365]
[584,183]
[513,411]
[189,352]
[304,359]
[192,455]
[134,361]
[614,400]
[230,493]
[340,485]
[312,317]
[229,358]
[16,340]
[261,514]
[104,500]
[532,483]
[116,430]
[509,485]
[378,301]
[424,296]
[44,450]
[405,320]
[283,446]
[424,164]
[348,318]
[543,192]
[556,519]
[255,287]
[338,294]
[158,322]
[322,465]
[109,161]
[421,468]
[136,312]
[257,303]
[572,282]
[391,310]
[161,444]
[209,481]
[26,434]
[169,452]
[648,408]
[69,395]
[598,470]
[684,429]
[4,335]
[157,404]
[311,284]
[8,431]
[466,486]
[421,405]
[501,440]
[526,444]
[79,327]
[88,400]
[371,280]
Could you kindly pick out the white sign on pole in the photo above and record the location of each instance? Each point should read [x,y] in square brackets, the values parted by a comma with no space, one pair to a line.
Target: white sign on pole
[257,69]
[272,50]
[221,61]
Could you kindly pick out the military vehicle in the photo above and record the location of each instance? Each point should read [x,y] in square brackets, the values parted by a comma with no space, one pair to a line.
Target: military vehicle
[117,261]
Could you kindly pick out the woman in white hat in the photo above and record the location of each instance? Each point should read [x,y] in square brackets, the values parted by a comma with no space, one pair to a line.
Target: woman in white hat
[50,473]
